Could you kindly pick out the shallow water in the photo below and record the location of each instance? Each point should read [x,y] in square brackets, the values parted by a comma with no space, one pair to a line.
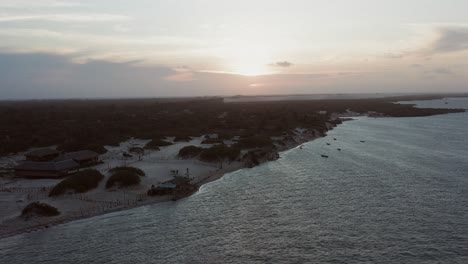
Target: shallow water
[399,197]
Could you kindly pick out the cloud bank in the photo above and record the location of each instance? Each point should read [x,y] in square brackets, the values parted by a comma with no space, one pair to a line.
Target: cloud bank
[42,76]
[65,18]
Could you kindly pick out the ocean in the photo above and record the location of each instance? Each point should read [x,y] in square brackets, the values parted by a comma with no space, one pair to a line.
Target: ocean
[401,196]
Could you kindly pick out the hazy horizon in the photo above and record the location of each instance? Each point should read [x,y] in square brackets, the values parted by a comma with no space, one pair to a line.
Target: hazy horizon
[60,49]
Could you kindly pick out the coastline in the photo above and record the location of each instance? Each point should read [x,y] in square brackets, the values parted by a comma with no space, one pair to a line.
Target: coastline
[44,223]
[297,140]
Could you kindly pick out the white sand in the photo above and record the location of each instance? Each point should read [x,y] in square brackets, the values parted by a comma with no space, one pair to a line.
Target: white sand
[15,194]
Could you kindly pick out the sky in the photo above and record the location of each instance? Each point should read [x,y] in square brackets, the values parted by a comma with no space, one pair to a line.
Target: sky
[165,48]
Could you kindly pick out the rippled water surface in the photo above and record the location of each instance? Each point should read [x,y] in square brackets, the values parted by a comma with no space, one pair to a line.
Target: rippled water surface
[399,197]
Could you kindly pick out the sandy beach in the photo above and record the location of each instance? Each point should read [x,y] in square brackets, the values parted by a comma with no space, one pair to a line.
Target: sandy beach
[16,193]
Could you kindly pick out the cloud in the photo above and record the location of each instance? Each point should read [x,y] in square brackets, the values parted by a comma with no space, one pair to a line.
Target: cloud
[65,18]
[38,75]
[118,47]
[283,64]
[45,75]
[442,71]
[182,74]
[439,72]
[451,39]
[442,39]
[393,55]
[180,77]
[121,28]
[20,4]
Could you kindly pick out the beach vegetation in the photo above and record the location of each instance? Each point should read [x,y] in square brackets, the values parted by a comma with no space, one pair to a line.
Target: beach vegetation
[123,178]
[136,150]
[39,209]
[75,125]
[220,153]
[182,138]
[155,144]
[255,142]
[80,182]
[189,152]
[134,170]
[212,141]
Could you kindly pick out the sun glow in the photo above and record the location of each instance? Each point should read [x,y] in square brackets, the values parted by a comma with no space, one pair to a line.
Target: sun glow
[248,59]
[250,69]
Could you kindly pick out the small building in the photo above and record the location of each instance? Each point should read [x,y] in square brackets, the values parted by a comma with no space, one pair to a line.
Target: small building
[84,158]
[162,189]
[37,170]
[167,186]
[45,154]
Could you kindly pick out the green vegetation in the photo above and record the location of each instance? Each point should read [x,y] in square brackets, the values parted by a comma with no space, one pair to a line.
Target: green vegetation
[39,209]
[123,178]
[157,143]
[182,139]
[189,152]
[255,142]
[91,124]
[134,170]
[220,153]
[136,150]
[212,141]
[217,153]
[79,183]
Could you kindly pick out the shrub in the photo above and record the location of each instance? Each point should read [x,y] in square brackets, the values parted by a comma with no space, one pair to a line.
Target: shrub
[212,141]
[81,182]
[189,152]
[156,143]
[123,178]
[136,150]
[134,170]
[219,153]
[255,142]
[40,209]
[182,139]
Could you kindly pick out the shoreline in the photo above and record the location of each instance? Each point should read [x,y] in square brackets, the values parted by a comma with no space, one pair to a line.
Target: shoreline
[43,223]
[97,207]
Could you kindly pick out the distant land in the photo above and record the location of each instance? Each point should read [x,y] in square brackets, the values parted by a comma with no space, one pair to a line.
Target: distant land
[92,123]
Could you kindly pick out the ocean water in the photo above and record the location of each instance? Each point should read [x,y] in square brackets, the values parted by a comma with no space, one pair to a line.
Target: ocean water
[399,197]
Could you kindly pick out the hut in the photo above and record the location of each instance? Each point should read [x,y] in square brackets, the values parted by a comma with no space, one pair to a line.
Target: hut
[37,170]
[162,189]
[84,158]
[44,154]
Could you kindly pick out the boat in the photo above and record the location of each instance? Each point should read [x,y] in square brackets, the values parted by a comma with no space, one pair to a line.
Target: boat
[339,149]
[362,141]
[328,144]
[324,156]
[334,138]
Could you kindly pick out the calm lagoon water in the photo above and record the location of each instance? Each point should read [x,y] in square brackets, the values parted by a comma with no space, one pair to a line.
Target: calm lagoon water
[399,197]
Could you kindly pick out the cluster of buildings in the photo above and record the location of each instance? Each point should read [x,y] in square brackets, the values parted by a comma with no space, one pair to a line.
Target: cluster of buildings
[50,163]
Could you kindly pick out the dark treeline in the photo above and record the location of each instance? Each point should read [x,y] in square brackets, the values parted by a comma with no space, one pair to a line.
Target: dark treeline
[90,124]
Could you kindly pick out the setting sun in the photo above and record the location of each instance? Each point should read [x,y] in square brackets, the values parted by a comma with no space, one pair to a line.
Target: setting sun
[249,59]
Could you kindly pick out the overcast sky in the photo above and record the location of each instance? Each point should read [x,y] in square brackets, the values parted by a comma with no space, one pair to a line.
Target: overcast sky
[139,48]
